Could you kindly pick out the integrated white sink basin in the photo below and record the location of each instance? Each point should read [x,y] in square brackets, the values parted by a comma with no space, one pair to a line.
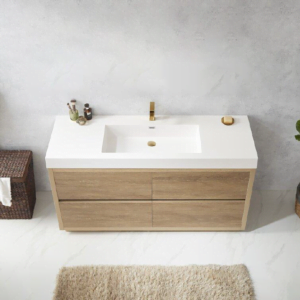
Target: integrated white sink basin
[182,142]
[151,139]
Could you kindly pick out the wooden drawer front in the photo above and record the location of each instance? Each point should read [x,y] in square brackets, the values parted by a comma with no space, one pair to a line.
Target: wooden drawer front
[103,185]
[201,214]
[101,214]
[200,185]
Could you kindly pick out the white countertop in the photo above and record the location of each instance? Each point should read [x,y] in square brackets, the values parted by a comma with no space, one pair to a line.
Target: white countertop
[74,146]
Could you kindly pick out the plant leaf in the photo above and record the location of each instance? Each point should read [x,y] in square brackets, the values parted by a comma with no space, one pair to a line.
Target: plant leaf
[297,137]
[298,126]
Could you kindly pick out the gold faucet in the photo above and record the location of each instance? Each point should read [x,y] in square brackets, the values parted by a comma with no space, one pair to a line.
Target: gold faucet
[152,111]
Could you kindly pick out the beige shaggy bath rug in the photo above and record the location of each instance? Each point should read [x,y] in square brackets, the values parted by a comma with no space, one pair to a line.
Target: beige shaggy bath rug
[154,282]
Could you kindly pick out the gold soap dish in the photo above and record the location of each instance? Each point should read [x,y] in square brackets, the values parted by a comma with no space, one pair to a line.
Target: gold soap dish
[151,144]
[227,120]
[81,120]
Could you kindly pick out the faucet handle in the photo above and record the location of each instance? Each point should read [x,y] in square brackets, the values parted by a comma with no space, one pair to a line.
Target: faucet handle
[152,106]
[152,111]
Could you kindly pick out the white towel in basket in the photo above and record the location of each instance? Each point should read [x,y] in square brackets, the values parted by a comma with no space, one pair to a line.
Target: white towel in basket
[5,191]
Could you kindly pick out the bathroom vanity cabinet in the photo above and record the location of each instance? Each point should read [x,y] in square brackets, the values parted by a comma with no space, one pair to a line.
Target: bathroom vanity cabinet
[100,183]
[151,199]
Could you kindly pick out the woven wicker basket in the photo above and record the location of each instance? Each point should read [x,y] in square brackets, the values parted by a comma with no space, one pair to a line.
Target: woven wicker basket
[18,165]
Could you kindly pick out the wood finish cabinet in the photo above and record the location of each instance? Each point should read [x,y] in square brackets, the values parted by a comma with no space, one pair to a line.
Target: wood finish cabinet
[200,185]
[102,185]
[106,214]
[151,199]
[192,214]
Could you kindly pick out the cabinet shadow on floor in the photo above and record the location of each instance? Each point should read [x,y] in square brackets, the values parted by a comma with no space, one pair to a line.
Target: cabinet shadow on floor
[268,207]
[44,207]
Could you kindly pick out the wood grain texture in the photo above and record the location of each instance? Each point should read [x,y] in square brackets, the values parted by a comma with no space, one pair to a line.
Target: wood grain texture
[104,199]
[205,214]
[103,185]
[148,170]
[248,199]
[153,229]
[55,198]
[116,214]
[200,185]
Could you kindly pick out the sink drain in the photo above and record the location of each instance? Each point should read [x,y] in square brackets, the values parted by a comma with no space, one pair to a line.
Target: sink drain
[151,144]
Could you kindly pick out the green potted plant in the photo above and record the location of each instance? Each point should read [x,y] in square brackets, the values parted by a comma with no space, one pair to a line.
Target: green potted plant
[297,207]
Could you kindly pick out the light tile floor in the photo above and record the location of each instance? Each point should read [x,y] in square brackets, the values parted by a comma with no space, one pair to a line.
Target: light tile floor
[32,251]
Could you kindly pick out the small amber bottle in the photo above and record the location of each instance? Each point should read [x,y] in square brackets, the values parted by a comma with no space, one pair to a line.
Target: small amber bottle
[86,106]
[89,114]
[87,111]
